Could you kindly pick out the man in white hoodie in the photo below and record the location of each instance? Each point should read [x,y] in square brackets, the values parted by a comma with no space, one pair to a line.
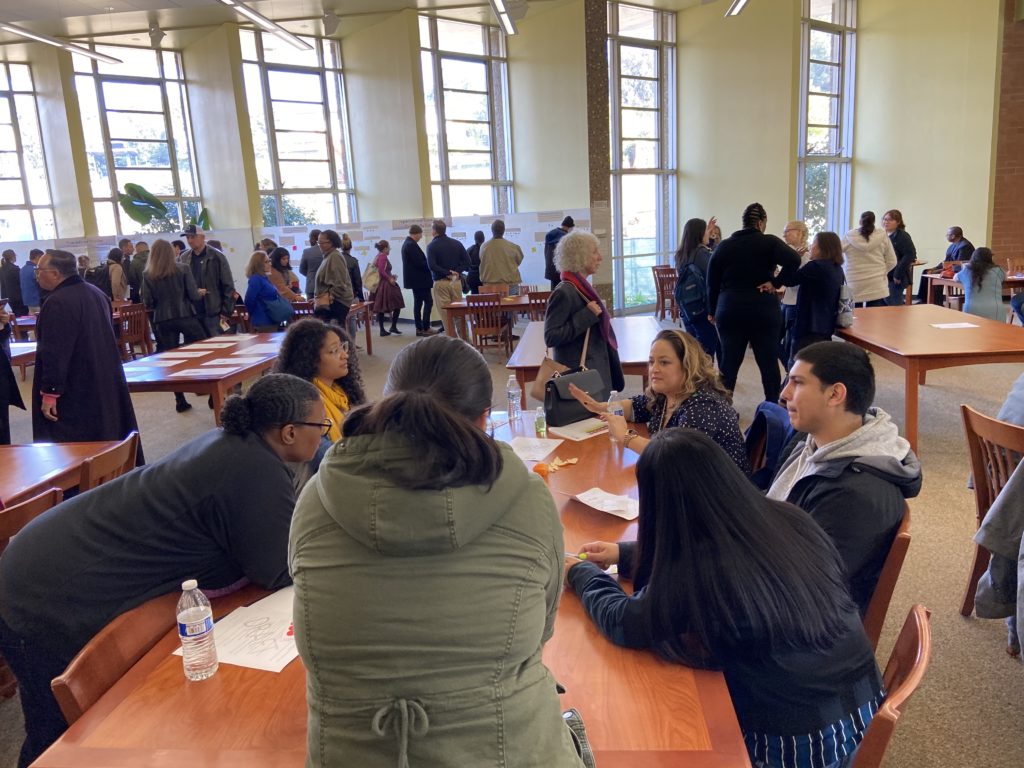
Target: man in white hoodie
[849,468]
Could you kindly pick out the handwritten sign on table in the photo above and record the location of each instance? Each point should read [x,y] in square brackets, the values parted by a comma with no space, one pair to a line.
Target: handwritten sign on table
[234,362]
[215,344]
[181,354]
[151,363]
[620,506]
[948,326]
[533,448]
[205,372]
[260,349]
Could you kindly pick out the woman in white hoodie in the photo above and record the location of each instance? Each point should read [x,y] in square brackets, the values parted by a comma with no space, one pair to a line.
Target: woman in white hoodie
[869,259]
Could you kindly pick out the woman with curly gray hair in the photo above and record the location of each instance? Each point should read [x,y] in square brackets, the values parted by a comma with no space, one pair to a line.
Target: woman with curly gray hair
[576,316]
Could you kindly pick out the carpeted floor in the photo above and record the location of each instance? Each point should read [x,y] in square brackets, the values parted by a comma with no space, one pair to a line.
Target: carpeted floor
[969,710]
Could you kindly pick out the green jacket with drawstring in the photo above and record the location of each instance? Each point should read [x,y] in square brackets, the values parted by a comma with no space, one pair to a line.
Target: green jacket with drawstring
[421,615]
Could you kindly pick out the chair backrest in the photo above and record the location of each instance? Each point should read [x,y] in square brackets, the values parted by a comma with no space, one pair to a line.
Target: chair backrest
[1014,265]
[903,673]
[17,516]
[995,448]
[538,304]
[526,288]
[664,270]
[134,326]
[302,309]
[484,312]
[878,607]
[111,653]
[499,288]
[112,463]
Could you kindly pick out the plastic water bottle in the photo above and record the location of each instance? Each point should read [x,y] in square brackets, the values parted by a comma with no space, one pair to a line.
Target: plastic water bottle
[195,628]
[515,395]
[615,408]
[540,423]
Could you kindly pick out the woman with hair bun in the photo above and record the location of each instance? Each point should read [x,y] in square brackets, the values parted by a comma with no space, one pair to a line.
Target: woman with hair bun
[869,259]
[387,299]
[983,286]
[428,564]
[217,509]
[743,313]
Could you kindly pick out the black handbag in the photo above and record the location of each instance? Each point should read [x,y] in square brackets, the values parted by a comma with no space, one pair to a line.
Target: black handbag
[560,407]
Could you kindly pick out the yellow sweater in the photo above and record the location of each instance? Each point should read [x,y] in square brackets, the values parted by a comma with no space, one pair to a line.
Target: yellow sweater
[335,403]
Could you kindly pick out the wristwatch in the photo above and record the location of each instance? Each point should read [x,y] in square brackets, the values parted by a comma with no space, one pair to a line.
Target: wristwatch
[630,434]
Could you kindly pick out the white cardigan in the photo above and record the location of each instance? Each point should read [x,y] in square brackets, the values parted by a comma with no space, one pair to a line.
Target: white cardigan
[868,263]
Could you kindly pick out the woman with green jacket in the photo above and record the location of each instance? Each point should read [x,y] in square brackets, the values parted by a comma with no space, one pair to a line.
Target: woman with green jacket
[428,565]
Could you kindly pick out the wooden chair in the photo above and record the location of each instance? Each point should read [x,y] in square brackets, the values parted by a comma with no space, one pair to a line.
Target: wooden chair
[112,463]
[995,448]
[665,279]
[240,319]
[489,326]
[538,304]
[302,309]
[12,520]
[134,331]
[878,607]
[111,653]
[499,288]
[907,665]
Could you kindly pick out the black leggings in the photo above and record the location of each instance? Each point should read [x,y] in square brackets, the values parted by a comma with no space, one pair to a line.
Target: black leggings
[394,319]
[754,318]
[422,306]
[336,312]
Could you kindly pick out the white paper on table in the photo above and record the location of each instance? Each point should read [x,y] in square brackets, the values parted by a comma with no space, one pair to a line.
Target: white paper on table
[533,448]
[240,336]
[182,354]
[259,349]
[205,371]
[620,506]
[151,363]
[581,430]
[211,344]
[946,326]
[234,362]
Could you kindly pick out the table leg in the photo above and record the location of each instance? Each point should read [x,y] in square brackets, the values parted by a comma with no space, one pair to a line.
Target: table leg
[368,323]
[913,373]
[218,395]
[908,294]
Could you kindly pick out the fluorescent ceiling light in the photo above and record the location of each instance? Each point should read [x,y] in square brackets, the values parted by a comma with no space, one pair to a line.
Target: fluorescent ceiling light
[58,43]
[268,25]
[501,13]
[736,7]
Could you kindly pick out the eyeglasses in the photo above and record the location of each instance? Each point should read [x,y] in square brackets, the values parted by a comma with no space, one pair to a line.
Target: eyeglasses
[325,425]
[343,347]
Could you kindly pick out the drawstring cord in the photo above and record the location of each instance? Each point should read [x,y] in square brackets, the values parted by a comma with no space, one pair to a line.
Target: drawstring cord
[404,716]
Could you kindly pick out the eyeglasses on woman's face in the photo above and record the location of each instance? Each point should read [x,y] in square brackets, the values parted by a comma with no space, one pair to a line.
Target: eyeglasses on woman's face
[324,426]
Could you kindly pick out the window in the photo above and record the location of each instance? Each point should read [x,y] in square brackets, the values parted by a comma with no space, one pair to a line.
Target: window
[465,87]
[136,127]
[641,67]
[25,206]
[825,150]
[296,103]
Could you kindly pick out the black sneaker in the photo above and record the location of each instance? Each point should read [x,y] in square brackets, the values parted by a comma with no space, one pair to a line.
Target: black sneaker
[395,331]
[182,406]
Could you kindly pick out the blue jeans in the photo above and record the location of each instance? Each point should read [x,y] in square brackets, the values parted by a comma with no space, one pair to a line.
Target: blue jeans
[897,293]
[1017,304]
[703,331]
[786,342]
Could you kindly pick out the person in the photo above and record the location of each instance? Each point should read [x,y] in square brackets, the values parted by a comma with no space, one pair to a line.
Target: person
[387,299]
[216,509]
[714,236]
[1017,305]
[355,274]
[983,286]
[119,287]
[323,354]
[30,295]
[83,265]
[742,312]
[902,275]
[869,258]
[312,258]
[550,243]
[447,260]
[127,247]
[169,291]
[500,258]
[259,292]
[417,278]
[332,286]
[694,253]
[850,470]
[959,251]
[576,316]
[795,236]
[420,508]
[727,579]
[79,393]
[180,247]
[138,256]
[819,280]
[9,392]
[212,274]
[281,275]
[473,252]
[10,282]
[267,244]
[685,391]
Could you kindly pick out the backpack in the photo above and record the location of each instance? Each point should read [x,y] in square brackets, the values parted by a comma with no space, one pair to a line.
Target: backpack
[692,292]
[100,277]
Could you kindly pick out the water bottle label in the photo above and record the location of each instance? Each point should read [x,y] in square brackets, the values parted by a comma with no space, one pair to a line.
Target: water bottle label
[196,628]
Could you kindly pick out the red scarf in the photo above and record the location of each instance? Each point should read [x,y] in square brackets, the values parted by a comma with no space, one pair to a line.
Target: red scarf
[587,292]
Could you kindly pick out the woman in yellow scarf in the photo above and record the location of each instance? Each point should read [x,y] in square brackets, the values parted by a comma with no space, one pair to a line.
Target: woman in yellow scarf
[323,354]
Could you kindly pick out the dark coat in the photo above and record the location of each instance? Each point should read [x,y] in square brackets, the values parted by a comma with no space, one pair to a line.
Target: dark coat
[565,327]
[9,392]
[10,286]
[906,253]
[77,358]
[310,262]
[415,272]
[171,297]
[745,260]
[211,271]
[355,275]
[550,243]
[818,299]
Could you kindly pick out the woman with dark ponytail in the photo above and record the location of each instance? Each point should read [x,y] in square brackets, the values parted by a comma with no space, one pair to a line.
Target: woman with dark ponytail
[428,563]
[743,312]
[870,258]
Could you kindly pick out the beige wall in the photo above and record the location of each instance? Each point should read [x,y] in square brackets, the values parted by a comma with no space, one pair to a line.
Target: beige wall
[547,85]
[926,98]
[385,107]
[737,98]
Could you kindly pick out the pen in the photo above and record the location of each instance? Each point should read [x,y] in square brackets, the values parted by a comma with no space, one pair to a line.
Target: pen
[580,556]
[595,430]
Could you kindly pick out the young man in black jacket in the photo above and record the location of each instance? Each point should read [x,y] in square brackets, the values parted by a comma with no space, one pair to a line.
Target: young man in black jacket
[849,468]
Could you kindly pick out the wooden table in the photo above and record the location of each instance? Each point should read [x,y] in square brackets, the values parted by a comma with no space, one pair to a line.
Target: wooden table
[1010,282]
[634,333]
[23,354]
[640,711]
[143,376]
[31,469]
[23,326]
[907,337]
[459,309]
